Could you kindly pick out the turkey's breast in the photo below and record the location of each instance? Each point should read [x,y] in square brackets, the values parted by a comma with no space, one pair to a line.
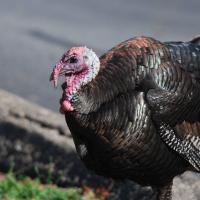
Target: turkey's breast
[120,140]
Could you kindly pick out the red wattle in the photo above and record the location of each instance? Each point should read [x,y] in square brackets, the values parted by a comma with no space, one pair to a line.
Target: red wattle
[66,106]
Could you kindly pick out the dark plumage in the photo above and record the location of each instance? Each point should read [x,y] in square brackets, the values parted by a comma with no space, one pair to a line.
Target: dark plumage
[138,116]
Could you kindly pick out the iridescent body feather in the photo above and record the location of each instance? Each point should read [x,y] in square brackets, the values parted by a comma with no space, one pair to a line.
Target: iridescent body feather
[135,112]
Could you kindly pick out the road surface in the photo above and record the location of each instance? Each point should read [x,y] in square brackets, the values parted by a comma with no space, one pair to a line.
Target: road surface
[35,33]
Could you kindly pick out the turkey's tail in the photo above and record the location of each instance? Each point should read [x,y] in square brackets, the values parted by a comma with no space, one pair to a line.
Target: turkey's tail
[196,40]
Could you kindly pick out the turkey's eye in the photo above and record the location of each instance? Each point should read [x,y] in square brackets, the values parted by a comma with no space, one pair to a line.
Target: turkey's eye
[85,57]
[65,59]
[73,60]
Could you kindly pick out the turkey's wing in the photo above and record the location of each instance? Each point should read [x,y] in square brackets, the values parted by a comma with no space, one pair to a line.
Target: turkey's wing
[175,106]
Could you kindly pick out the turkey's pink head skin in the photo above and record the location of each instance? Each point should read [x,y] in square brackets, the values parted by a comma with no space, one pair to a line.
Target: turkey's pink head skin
[79,65]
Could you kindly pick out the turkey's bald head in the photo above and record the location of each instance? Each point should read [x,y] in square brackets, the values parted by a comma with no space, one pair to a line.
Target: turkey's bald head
[79,65]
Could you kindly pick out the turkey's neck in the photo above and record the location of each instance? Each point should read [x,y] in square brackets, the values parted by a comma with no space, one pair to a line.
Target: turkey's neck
[109,83]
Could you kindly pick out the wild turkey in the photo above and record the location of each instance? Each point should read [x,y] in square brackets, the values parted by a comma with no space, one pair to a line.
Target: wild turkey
[134,113]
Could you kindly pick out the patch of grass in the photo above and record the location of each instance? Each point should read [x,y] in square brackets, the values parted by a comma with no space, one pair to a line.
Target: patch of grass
[27,189]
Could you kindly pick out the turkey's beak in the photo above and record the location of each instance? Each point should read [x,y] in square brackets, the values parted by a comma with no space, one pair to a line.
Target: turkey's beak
[59,70]
[56,73]
[54,79]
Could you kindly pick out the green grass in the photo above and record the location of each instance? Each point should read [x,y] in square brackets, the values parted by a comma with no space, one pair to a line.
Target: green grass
[27,189]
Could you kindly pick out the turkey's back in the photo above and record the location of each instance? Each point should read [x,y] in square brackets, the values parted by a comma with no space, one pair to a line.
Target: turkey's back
[187,54]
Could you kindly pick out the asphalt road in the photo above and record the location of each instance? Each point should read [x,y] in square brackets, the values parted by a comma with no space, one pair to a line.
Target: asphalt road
[34,34]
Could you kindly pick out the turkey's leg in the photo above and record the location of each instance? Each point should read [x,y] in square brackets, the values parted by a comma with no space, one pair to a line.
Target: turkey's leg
[165,192]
